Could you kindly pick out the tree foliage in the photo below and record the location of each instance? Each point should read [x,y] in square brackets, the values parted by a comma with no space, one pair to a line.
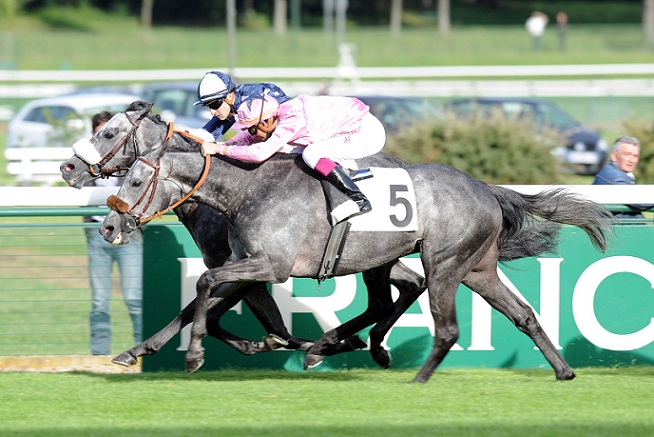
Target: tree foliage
[644,131]
[377,12]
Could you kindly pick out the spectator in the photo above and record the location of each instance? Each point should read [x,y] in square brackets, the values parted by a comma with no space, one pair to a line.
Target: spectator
[535,25]
[101,258]
[625,154]
[562,26]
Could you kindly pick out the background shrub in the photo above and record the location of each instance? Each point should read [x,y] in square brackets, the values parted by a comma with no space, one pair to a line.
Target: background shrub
[495,150]
[644,131]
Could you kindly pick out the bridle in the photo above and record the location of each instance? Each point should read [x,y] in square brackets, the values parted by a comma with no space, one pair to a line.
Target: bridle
[131,221]
[99,171]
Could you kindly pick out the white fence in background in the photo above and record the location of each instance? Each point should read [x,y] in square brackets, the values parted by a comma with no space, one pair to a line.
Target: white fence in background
[347,71]
[96,196]
[443,81]
[36,164]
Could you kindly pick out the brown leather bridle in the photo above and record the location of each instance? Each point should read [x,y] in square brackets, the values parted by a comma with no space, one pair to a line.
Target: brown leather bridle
[98,170]
[134,221]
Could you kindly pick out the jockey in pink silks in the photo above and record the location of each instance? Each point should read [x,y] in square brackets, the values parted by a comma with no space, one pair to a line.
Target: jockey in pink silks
[329,129]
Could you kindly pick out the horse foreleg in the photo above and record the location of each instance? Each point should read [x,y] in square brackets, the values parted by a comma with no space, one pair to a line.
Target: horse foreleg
[264,308]
[380,306]
[153,344]
[255,268]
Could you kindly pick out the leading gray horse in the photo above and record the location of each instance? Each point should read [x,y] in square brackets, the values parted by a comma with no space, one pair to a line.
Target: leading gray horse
[278,210]
[127,136]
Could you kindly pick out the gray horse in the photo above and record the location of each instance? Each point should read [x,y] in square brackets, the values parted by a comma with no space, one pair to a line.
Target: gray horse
[118,146]
[278,210]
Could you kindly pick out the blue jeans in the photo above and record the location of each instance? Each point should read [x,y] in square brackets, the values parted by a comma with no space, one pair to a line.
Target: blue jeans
[101,258]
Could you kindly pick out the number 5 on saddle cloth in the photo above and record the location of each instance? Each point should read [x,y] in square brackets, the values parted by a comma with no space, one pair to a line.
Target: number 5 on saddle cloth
[391,194]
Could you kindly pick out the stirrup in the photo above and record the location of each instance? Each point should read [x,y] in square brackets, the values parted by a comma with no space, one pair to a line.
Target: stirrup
[333,250]
[346,210]
[359,175]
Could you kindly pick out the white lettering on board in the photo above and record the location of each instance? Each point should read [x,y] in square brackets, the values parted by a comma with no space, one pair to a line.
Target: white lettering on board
[324,308]
[583,308]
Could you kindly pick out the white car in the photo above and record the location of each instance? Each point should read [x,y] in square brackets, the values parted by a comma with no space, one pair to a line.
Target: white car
[40,135]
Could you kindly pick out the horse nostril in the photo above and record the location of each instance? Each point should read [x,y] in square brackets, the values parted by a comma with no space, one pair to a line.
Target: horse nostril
[67,167]
[106,230]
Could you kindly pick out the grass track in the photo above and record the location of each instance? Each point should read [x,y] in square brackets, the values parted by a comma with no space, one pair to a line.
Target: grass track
[460,402]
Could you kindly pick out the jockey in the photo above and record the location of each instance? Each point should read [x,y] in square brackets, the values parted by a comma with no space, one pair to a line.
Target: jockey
[218,92]
[326,128]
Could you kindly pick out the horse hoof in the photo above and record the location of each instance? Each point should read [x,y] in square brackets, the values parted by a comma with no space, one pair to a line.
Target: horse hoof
[356,343]
[311,361]
[273,342]
[381,357]
[194,362]
[567,376]
[124,359]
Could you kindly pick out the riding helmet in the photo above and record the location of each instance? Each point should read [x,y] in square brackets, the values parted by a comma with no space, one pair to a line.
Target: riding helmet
[214,85]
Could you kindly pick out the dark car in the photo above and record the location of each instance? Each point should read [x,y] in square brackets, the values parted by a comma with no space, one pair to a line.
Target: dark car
[585,149]
[398,112]
[174,101]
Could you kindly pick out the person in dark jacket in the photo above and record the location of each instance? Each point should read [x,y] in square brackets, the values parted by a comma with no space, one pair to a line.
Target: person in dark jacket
[625,155]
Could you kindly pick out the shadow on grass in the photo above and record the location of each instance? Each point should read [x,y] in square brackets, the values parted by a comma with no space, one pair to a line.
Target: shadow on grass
[231,375]
[386,430]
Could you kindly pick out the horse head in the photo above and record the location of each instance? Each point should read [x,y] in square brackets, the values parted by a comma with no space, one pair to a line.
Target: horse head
[113,149]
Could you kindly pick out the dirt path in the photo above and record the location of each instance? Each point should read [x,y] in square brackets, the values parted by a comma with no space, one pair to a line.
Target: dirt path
[68,363]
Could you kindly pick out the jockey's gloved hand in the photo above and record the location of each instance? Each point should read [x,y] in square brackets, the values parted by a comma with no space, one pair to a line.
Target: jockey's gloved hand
[213,148]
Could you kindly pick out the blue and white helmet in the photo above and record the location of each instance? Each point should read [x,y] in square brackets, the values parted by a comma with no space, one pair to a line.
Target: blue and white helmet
[214,85]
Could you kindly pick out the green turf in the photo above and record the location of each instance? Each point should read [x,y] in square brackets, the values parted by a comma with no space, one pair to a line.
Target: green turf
[460,402]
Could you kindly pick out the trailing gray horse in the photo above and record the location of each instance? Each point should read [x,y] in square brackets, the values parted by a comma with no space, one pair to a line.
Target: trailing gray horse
[127,136]
[278,210]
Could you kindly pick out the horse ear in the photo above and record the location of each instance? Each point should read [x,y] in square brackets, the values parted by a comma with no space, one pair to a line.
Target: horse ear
[140,108]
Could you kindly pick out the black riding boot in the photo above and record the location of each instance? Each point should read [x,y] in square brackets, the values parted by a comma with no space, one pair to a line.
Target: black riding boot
[342,181]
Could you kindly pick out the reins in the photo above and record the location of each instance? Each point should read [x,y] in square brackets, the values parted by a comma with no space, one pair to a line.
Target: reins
[152,184]
[159,214]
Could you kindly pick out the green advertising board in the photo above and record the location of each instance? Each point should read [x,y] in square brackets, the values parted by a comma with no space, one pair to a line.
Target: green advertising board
[597,308]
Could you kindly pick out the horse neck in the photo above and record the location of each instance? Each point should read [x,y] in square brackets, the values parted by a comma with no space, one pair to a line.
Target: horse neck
[224,186]
[182,143]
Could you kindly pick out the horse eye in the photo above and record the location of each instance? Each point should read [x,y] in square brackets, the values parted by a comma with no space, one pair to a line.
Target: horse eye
[108,135]
[137,183]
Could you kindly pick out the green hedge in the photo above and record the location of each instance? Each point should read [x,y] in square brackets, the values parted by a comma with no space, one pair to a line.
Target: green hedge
[495,150]
[644,131]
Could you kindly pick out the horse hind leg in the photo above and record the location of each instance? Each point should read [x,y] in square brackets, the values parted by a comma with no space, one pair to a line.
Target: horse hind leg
[410,285]
[488,285]
[442,301]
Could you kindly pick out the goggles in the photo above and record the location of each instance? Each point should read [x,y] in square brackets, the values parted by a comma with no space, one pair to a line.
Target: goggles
[215,104]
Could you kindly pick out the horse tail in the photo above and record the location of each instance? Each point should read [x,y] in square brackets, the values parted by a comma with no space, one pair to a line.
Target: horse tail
[532,223]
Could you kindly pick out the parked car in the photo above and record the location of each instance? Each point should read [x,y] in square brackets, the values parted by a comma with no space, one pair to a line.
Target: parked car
[60,121]
[397,112]
[174,101]
[40,135]
[585,149]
